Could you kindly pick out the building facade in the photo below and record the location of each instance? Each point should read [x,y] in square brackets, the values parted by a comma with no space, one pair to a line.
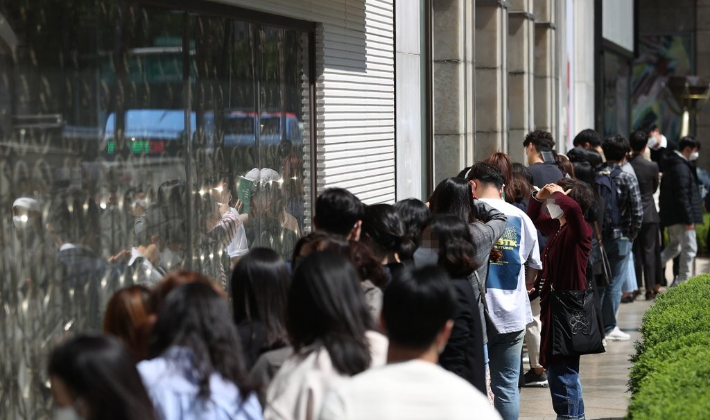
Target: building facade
[113,109]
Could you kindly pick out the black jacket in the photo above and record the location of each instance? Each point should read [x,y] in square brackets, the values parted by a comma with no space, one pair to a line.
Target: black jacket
[647,175]
[680,195]
[463,354]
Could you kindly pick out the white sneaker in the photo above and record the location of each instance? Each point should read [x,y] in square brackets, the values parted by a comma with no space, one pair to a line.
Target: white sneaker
[617,335]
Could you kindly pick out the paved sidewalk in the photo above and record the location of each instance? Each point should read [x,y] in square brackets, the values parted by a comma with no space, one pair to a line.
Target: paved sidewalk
[604,376]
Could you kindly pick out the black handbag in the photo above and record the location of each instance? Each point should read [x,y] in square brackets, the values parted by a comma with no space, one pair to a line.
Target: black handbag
[601,267]
[575,325]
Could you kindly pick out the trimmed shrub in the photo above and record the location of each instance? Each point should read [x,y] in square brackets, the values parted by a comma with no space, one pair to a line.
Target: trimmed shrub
[677,390]
[662,354]
[681,311]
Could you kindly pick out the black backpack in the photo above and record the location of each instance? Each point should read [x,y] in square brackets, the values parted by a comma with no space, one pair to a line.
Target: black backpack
[608,189]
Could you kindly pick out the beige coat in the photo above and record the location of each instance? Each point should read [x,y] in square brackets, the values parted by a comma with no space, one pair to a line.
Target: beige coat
[298,390]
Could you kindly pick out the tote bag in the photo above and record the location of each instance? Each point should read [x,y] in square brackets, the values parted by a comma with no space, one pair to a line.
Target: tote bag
[576,327]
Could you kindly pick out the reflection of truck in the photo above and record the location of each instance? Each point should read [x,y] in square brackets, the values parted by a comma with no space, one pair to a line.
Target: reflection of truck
[160,131]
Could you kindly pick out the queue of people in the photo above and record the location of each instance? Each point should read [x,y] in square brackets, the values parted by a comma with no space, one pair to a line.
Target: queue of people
[413,310]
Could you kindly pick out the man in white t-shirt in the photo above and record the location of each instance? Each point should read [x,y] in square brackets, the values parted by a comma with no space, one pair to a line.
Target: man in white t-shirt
[417,315]
[509,280]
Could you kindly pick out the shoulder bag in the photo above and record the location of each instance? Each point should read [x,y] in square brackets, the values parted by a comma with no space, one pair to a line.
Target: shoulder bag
[576,327]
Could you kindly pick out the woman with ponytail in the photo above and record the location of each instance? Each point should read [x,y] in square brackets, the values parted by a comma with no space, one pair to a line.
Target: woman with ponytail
[384,232]
[447,236]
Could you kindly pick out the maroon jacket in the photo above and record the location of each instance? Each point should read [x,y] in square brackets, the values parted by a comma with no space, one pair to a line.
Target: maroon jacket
[564,259]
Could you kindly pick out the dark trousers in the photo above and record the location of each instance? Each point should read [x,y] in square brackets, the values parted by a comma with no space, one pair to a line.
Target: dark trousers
[647,256]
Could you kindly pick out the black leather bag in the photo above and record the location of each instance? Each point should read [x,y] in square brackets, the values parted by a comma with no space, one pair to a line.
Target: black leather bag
[601,267]
[576,327]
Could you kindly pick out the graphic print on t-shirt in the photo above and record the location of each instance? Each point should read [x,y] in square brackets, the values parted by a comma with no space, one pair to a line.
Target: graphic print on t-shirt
[504,273]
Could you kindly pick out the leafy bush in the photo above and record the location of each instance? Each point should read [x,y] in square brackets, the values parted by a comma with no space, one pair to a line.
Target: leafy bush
[662,354]
[670,378]
[677,390]
[681,311]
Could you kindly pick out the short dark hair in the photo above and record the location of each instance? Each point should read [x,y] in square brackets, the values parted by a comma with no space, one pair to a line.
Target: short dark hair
[638,140]
[522,170]
[688,141]
[580,192]
[592,157]
[337,211]
[587,136]
[416,306]
[542,140]
[648,127]
[486,173]
[615,148]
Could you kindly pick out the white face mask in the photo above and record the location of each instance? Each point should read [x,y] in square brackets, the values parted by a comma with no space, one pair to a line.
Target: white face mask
[170,260]
[554,210]
[425,257]
[652,142]
[694,156]
[66,413]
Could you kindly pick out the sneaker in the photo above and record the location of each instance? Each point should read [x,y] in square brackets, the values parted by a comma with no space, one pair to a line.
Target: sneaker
[617,335]
[532,379]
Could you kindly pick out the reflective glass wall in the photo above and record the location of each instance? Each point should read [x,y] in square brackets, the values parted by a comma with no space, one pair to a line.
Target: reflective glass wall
[135,140]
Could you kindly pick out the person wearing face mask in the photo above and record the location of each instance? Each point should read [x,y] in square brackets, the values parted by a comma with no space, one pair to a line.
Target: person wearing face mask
[681,206]
[94,377]
[564,264]
[658,145]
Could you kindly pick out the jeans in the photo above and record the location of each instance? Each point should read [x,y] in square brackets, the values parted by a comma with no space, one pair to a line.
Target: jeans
[532,335]
[566,388]
[683,242]
[504,353]
[610,297]
[630,284]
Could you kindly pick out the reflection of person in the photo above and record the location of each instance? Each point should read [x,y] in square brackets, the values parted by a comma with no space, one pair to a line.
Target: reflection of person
[270,225]
[418,316]
[86,280]
[219,229]
[564,264]
[29,251]
[145,260]
[94,377]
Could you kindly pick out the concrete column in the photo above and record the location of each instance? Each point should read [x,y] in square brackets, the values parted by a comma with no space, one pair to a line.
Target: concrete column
[453,38]
[545,64]
[408,94]
[702,54]
[521,52]
[491,77]
[583,66]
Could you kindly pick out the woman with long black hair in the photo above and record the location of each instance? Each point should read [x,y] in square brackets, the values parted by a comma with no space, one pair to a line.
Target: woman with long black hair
[260,283]
[448,237]
[196,369]
[94,377]
[332,334]
[384,232]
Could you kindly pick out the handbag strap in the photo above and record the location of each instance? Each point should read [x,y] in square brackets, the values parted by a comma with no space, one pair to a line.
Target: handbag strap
[599,236]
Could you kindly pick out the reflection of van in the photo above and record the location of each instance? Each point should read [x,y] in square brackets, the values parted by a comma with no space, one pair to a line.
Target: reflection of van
[153,131]
[241,128]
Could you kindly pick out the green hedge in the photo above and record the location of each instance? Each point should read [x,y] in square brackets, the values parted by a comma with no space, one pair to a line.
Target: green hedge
[670,378]
[681,311]
[678,390]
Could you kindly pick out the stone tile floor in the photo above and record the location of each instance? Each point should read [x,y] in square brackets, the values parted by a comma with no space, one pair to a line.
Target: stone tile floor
[604,376]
